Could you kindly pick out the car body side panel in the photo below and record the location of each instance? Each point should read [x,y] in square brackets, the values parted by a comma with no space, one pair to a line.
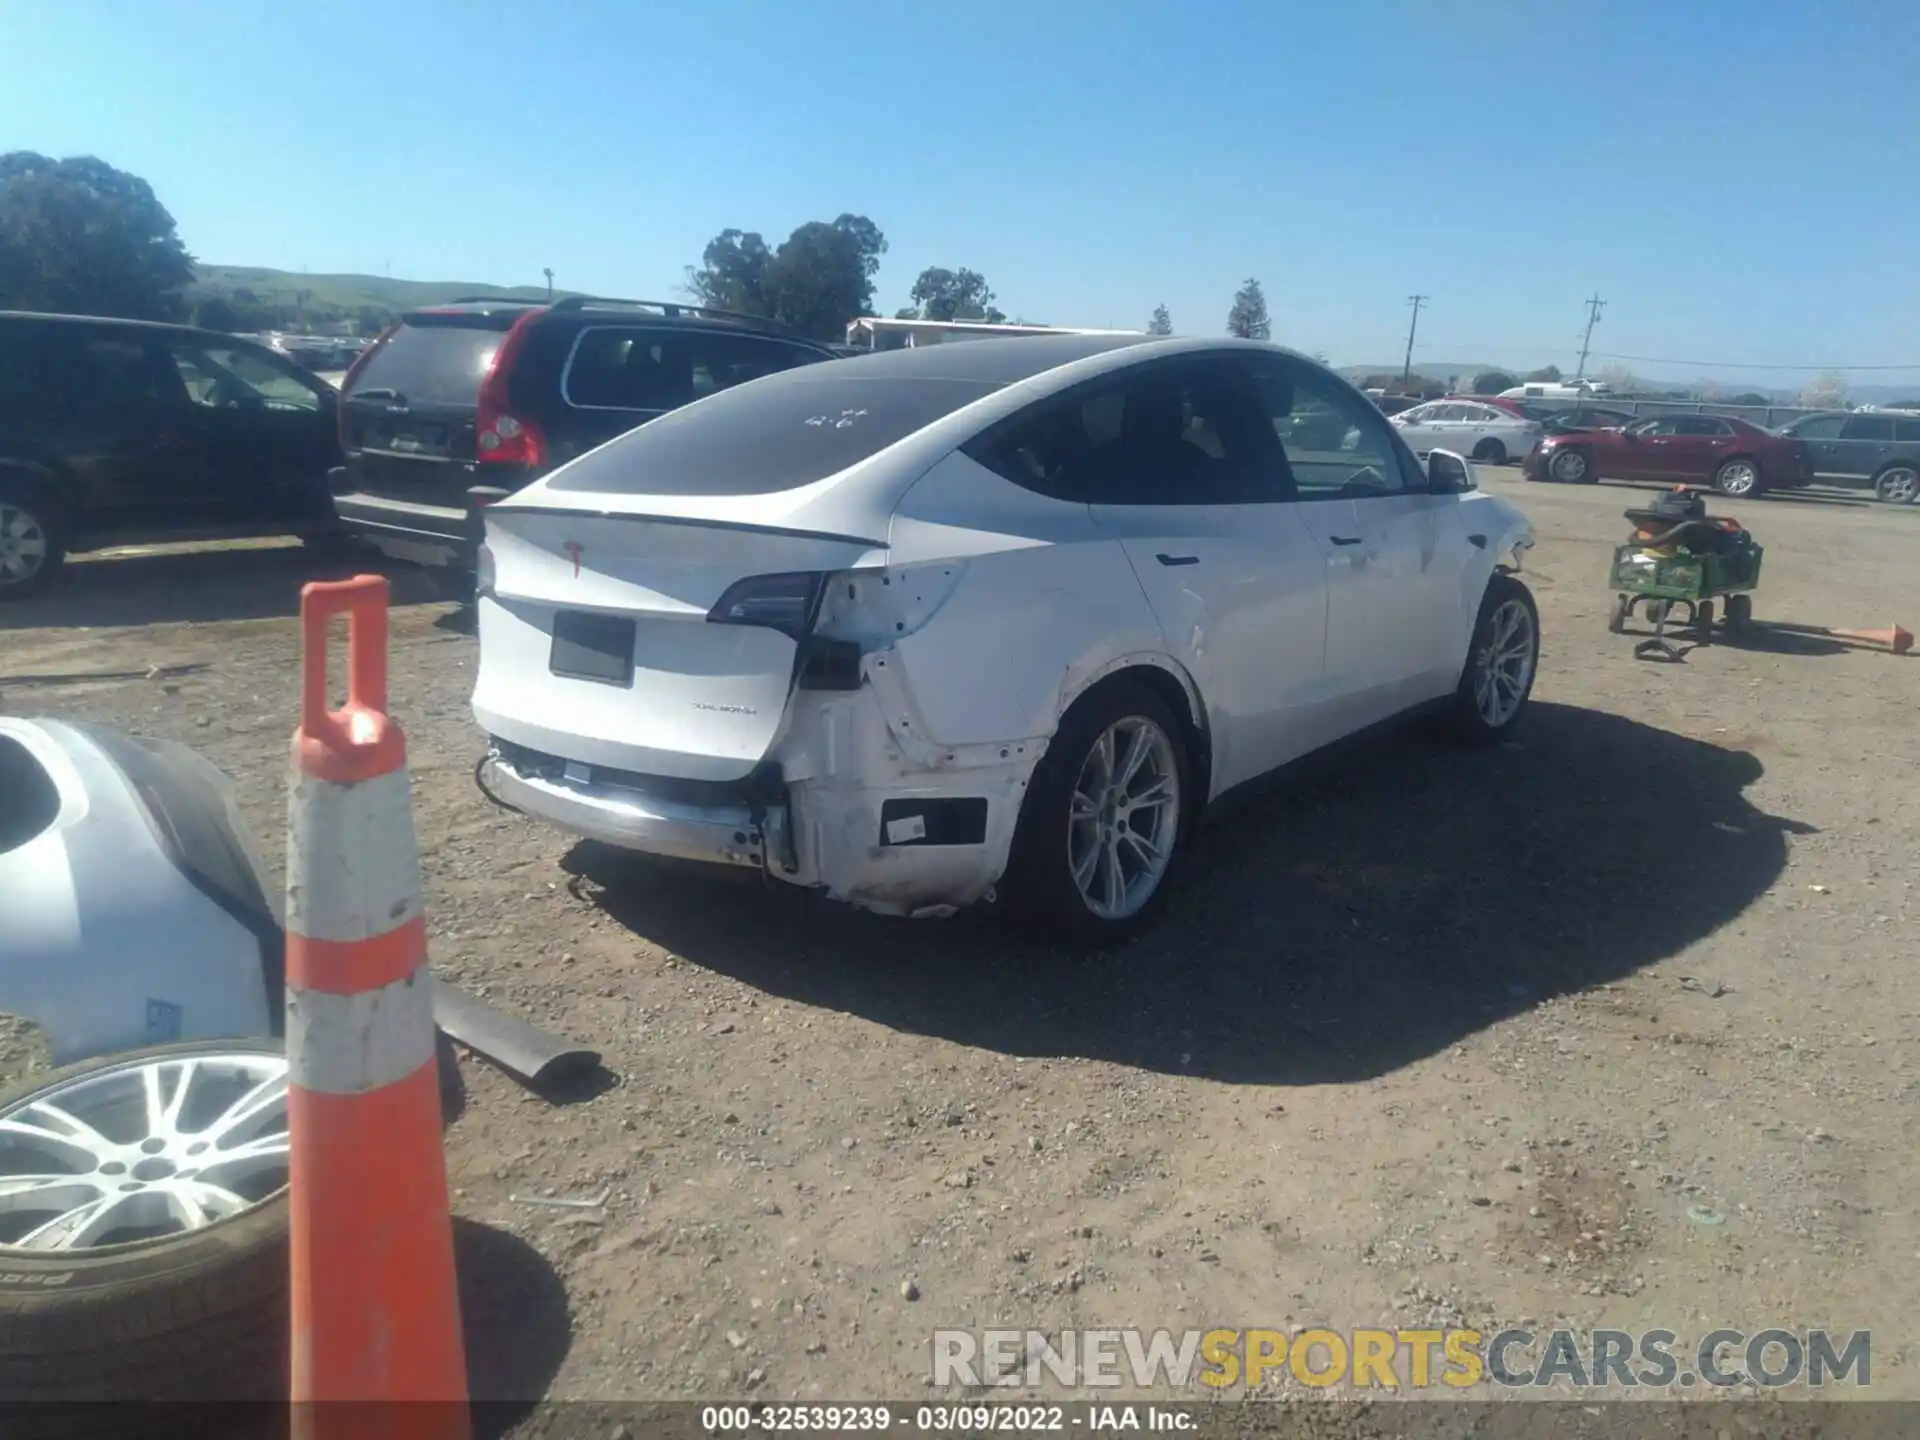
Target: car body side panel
[104,943]
[981,671]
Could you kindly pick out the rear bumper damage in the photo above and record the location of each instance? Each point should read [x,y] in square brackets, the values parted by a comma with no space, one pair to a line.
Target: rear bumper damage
[846,803]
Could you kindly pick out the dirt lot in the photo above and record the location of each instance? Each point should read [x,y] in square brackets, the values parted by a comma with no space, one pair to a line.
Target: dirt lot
[1614,1025]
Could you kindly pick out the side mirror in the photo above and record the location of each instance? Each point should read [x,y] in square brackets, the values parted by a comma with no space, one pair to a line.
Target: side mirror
[1450,474]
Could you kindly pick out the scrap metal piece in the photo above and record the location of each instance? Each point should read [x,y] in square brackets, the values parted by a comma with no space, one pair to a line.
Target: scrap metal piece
[537,1056]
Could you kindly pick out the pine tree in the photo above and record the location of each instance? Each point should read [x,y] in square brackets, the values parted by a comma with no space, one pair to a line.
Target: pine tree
[1162,322]
[1248,317]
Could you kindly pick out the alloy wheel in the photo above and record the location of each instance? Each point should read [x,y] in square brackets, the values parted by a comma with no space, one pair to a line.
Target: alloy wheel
[23,544]
[1570,466]
[1737,477]
[1900,486]
[145,1150]
[1503,669]
[1125,809]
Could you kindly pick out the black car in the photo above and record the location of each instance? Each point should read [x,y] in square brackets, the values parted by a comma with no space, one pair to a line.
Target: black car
[461,404]
[116,432]
[1861,448]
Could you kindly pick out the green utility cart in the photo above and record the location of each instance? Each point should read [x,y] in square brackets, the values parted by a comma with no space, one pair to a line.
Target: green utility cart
[1681,556]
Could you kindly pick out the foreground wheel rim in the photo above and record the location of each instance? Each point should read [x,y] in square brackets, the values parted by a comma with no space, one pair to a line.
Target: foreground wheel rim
[143,1151]
[1571,466]
[1125,811]
[1900,486]
[1503,670]
[23,545]
[1738,478]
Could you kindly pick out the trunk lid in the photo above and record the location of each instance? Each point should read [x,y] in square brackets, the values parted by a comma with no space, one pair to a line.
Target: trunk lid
[599,641]
[407,422]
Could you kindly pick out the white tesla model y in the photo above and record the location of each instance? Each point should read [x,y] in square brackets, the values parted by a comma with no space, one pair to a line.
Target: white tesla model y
[995,618]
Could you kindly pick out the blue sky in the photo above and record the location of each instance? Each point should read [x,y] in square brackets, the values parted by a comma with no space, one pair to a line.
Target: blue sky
[1735,178]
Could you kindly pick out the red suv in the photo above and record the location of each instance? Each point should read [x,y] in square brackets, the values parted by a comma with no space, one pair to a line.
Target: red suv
[1736,457]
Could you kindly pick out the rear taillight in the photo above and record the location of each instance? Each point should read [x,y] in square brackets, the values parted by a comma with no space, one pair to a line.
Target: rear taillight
[353,373]
[787,603]
[500,436]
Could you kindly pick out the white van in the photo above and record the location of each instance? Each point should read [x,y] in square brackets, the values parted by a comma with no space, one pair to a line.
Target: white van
[1558,390]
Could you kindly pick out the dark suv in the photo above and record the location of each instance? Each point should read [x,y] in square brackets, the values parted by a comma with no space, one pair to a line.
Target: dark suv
[1860,448]
[114,432]
[461,404]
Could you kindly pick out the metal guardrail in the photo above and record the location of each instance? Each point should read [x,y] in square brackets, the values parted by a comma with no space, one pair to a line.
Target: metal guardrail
[1769,416]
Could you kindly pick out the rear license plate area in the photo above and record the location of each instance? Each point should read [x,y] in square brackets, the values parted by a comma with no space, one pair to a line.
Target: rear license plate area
[592,647]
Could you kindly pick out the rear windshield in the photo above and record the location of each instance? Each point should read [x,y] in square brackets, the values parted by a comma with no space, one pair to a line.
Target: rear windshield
[779,433]
[435,360]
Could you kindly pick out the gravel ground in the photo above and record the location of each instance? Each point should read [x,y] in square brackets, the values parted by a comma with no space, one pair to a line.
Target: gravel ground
[1613,1025]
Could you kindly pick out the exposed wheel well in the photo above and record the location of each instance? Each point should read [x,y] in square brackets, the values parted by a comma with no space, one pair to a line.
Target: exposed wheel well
[1897,465]
[33,479]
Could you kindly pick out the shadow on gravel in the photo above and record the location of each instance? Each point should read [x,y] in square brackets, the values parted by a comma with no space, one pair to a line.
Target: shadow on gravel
[514,1310]
[1330,928]
[199,585]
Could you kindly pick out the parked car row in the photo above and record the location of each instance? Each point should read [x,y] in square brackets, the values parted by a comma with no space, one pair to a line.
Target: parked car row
[1877,451]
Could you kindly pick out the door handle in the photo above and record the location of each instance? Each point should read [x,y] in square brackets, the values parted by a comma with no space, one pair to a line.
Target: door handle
[1166,559]
[1344,539]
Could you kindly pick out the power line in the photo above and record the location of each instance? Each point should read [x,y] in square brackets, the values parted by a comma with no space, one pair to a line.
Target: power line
[1406,368]
[1594,306]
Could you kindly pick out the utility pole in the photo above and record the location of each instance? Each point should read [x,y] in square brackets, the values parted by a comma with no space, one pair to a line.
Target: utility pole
[1594,306]
[1406,369]
[548,272]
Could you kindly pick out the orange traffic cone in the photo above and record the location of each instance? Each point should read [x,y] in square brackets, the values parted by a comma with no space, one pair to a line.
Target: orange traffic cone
[376,1316]
[1893,637]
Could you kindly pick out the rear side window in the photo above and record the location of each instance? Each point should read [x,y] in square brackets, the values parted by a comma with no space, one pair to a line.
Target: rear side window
[1907,432]
[1868,427]
[434,360]
[796,428]
[623,368]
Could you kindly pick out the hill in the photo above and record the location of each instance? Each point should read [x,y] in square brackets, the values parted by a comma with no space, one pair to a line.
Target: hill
[347,293]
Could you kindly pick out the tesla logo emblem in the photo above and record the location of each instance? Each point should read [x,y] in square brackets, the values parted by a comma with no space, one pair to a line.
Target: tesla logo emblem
[572,547]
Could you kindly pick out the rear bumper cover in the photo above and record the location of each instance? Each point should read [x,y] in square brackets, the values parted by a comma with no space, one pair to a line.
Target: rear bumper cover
[842,805]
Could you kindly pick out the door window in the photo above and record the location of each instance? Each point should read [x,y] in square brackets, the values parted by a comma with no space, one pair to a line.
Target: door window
[1701,425]
[1335,444]
[1907,432]
[1877,428]
[1657,428]
[616,368]
[1820,427]
[221,378]
[1161,435]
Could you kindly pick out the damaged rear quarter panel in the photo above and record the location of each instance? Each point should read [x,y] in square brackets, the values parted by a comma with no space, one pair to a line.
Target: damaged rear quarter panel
[1045,605]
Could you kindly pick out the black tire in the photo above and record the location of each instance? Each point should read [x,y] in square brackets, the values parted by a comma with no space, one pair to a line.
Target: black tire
[1572,466]
[1039,889]
[1898,485]
[1703,621]
[1617,617]
[1739,614]
[196,1316]
[1740,477]
[45,521]
[1490,452]
[1465,717]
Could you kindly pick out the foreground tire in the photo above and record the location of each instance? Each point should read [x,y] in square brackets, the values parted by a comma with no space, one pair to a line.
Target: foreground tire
[1501,662]
[143,1227]
[32,540]
[1738,477]
[1104,817]
[1490,452]
[1898,485]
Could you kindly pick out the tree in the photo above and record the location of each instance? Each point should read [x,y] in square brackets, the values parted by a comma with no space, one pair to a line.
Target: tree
[80,237]
[1161,323]
[1620,380]
[963,294]
[1492,382]
[1750,397]
[1248,318]
[216,313]
[733,273]
[1826,391]
[1548,375]
[820,278]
